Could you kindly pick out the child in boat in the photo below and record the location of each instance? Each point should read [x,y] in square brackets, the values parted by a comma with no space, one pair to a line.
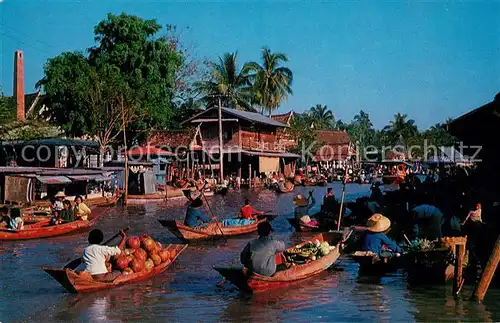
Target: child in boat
[94,256]
[194,214]
[16,221]
[376,239]
[259,255]
[81,210]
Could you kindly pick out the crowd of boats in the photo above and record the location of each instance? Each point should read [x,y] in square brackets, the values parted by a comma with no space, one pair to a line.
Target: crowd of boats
[416,228]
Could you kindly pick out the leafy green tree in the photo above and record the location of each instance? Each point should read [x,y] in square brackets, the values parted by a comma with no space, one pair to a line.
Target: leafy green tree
[361,130]
[128,66]
[271,81]
[7,109]
[227,82]
[305,136]
[400,129]
[322,116]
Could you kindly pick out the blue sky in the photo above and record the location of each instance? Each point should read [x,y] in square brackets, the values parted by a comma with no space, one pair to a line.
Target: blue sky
[431,60]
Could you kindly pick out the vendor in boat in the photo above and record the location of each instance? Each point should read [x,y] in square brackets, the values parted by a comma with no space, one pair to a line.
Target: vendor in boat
[94,256]
[67,214]
[330,204]
[81,210]
[194,214]
[376,239]
[4,216]
[427,222]
[57,205]
[16,221]
[259,255]
[248,212]
[302,207]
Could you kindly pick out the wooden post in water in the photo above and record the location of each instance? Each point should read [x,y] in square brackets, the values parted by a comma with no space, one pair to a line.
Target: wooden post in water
[125,171]
[459,265]
[221,154]
[249,175]
[488,273]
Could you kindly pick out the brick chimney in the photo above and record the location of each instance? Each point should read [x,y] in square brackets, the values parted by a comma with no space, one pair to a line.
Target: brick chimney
[19,84]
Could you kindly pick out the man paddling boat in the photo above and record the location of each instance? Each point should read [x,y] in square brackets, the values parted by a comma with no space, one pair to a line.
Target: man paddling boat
[194,215]
[259,255]
[302,207]
[94,256]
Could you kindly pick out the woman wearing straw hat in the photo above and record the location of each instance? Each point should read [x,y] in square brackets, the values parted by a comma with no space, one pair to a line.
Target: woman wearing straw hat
[302,208]
[376,239]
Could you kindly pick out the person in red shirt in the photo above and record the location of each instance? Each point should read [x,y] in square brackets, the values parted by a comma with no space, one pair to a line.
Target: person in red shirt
[248,212]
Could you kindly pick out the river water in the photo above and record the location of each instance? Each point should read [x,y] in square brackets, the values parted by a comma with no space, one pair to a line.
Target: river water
[187,291]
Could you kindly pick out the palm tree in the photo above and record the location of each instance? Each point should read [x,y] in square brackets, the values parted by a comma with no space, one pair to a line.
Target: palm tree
[400,129]
[322,116]
[228,83]
[271,81]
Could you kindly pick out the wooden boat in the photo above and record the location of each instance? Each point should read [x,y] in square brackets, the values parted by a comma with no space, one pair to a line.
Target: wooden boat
[371,265]
[283,189]
[43,229]
[252,282]
[300,226]
[221,189]
[212,231]
[34,215]
[75,282]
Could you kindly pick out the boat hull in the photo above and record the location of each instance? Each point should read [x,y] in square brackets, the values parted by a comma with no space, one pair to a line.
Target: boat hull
[43,229]
[255,283]
[76,283]
[212,231]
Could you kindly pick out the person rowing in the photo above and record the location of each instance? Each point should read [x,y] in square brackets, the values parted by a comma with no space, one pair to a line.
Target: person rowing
[302,208]
[259,255]
[376,239]
[248,212]
[194,215]
[94,256]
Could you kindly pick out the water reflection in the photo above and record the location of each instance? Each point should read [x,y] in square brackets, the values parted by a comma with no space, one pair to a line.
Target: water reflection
[187,290]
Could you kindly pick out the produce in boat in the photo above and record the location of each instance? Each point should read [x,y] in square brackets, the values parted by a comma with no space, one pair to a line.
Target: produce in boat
[164,255]
[302,262]
[81,282]
[156,259]
[133,243]
[122,262]
[141,254]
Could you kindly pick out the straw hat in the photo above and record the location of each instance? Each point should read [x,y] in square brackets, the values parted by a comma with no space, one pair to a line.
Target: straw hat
[378,223]
[305,219]
[60,194]
[300,200]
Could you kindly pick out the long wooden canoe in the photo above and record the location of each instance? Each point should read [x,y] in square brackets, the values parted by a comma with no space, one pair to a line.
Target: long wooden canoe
[252,282]
[43,229]
[32,215]
[76,282]
[212,231]
[371,265]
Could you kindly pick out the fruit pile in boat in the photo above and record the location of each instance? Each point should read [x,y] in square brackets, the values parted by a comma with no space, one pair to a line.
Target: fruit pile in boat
[309,251]
[141,254]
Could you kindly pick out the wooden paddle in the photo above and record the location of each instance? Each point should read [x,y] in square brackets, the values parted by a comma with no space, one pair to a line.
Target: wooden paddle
[76,262]
[210,209]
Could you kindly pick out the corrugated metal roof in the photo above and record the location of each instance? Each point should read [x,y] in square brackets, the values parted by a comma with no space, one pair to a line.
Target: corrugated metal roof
[53,179]
[253,117]
[97,178]
[53,142]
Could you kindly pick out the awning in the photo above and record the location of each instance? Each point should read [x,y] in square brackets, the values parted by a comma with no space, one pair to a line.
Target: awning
[97,178]
[53,179]
[269,154]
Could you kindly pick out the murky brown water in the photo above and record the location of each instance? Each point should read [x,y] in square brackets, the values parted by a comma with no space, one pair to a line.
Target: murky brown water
[187,291]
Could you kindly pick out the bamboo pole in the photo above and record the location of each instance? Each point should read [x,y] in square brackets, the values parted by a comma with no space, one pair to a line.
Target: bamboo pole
[125,172]
[343,197]
[459,265]
[488,273]
[221,156]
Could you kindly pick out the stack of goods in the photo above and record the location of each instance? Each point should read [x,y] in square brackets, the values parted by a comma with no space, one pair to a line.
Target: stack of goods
[141,254]
[430,253]
[421,245]
[308,251]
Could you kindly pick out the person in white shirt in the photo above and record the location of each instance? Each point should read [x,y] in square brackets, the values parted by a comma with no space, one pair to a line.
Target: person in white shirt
[94,256]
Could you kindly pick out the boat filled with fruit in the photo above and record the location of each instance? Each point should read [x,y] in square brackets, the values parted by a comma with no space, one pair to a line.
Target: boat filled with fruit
[141,259]
[293,265]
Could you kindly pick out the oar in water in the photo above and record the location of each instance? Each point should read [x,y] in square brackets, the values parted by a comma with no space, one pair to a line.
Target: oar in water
[210,209]
[76,262]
